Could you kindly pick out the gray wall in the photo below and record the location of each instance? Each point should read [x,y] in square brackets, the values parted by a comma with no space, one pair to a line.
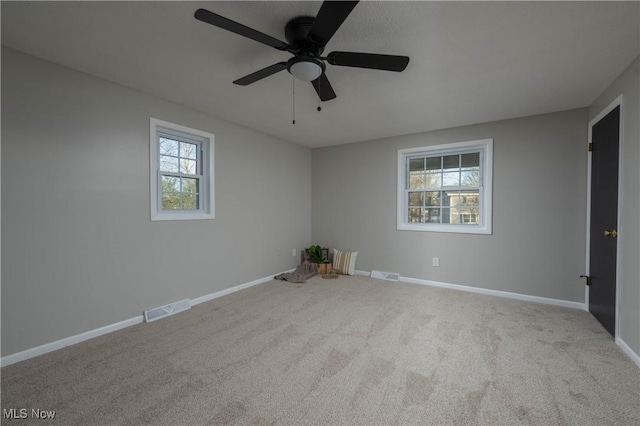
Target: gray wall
[79,250]
[628,85]
[539,198]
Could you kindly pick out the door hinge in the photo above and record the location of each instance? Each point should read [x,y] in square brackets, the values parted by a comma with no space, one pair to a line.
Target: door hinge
[590,146]
[587,279]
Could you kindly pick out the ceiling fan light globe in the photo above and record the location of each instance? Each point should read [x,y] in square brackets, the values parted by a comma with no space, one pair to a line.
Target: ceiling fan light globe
[306,70]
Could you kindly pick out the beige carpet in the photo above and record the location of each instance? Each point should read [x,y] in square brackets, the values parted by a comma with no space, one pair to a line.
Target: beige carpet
[346,351]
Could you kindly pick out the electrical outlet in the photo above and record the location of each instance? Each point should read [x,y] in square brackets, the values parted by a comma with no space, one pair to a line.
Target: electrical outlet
[293,252]
[436,261]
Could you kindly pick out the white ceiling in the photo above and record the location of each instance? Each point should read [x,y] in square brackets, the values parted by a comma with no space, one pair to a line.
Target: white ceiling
[471,62]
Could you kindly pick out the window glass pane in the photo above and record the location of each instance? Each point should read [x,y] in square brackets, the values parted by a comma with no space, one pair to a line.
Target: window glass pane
[451,179]
[432,198]
[454,215]
[470,177]
[189,185]
[416,198]
[434,163]
[188,150]
[433,180]
[451,162]
[168,147]
[471,160]
[432,216]
[446,197]
[470,198]
[416,180]
[415,215]
[416,164]
[188,167]
[454,198]
[189,201]
[168,164]
[170,184]
[446,215]
[171,201]
[470,216]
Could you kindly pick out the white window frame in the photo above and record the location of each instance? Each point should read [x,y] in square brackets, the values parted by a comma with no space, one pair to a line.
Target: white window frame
[206,142]
[485,148]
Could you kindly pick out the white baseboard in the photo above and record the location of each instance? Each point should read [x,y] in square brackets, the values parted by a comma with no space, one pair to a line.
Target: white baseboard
[498,293]
[627,350]
[239,287]
[67,341]
[78,338]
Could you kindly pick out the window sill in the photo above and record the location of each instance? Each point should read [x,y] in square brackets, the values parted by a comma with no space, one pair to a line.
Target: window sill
[182,216]
[454,229]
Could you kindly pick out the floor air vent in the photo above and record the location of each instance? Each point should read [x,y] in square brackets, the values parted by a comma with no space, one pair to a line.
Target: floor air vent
[391,276]
[166,310]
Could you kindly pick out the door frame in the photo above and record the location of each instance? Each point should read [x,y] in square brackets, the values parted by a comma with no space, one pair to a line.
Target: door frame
[619,101]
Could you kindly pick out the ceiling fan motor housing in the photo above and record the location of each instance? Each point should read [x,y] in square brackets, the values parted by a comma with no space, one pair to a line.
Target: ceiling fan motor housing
[297,35]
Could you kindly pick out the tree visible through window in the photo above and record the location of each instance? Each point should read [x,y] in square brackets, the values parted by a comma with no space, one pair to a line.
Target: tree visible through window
[180,174]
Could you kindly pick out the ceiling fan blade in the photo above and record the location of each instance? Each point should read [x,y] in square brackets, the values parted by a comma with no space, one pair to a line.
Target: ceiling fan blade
[323,88]
[368,60]
[229,25]
[259,75]
[329,18]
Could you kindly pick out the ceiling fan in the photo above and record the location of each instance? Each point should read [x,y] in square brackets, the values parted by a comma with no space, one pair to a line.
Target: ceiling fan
[306,39]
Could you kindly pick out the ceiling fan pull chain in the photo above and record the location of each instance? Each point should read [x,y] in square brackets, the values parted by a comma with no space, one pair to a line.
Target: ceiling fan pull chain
[294,99]
[319,91]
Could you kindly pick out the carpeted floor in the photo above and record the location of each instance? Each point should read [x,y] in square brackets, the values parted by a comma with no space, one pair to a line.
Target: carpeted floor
[346,351]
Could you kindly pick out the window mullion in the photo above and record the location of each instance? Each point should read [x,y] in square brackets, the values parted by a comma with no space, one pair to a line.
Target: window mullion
[181,175]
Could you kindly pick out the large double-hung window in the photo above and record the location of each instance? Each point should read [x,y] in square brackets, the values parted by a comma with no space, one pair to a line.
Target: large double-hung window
[446,188]
[181,163]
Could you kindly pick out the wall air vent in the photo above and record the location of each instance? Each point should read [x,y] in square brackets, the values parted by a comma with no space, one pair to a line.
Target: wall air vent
[166,310]
[391,276]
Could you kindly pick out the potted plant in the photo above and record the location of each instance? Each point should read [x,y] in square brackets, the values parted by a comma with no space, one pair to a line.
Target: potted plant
[320,256]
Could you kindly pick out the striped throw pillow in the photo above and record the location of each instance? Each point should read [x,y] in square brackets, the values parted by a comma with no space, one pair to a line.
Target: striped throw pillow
[344,262]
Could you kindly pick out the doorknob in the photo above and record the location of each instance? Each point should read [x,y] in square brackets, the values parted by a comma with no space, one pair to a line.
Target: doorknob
[612,233]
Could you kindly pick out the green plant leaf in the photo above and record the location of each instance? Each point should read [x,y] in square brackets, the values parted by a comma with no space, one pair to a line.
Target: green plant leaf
[316,254]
